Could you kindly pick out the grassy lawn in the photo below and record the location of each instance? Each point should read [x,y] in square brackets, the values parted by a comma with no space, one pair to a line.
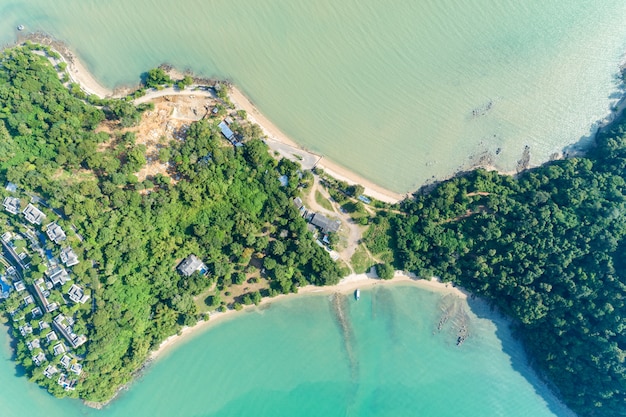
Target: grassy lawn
[361,261]
[322,201]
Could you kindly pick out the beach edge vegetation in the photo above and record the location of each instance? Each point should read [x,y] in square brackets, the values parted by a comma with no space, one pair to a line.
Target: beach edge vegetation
[227,206]
[543,248]
[547,249]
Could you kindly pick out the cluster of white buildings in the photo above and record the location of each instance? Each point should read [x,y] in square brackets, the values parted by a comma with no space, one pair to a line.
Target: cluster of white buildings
[53,339]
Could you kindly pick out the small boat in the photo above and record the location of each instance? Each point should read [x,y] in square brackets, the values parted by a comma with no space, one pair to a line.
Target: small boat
[357,294]
[20,27]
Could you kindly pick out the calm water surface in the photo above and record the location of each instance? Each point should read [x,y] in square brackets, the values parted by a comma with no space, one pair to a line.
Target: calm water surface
[399,91]
[294,358]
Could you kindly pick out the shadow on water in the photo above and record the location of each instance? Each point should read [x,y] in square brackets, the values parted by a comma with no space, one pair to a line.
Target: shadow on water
[519,361]
[340,310]
[20,371]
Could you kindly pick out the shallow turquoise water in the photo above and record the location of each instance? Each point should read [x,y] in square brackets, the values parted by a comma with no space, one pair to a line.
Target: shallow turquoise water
[293,359]
[387,89]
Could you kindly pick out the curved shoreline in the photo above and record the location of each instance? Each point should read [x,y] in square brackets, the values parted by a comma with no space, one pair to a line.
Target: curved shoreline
[276,139]
[347,285]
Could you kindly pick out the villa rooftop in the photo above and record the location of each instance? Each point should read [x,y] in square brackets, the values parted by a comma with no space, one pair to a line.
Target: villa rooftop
[25,329]
[59,349]
[66,360]
[190,265]
[77,294]
[39,358]
[66,383]
[68,256]
[55,233]
[10,187]
[67,332]
[58,275]
[77,368]
[33,344]
[33,214]
[52,336]
[12,205]
[50,370]
[19,286]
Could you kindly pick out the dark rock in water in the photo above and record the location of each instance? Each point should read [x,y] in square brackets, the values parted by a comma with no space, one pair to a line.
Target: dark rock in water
[524,162]
[482,110]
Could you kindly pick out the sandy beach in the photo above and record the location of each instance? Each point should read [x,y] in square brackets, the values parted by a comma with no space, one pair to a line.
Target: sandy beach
[347,285]
[276,138]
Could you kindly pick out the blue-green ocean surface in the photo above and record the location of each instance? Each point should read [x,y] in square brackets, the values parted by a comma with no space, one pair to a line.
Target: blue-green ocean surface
[295,358]
[399,91]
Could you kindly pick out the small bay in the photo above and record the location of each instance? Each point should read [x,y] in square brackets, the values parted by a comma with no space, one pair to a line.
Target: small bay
[293,357]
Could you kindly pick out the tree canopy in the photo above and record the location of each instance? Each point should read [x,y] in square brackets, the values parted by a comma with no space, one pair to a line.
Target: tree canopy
[547,249]
[225,207]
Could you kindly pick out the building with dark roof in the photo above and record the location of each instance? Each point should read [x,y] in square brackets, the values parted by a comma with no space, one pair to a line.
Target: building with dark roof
[228,134]
[325,224]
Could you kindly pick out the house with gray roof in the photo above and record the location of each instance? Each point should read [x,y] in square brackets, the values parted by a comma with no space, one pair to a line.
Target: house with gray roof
[66,361]
[325,224]
[19,286]
[190,265]
[62,324]
[12,205]
[77,294]
[51,336]
[59,349]
[55,233]
[50,370]
[68,256]
[33,214]
[66,383]
[33,344]
[39,358]
[228,134]
[58,275]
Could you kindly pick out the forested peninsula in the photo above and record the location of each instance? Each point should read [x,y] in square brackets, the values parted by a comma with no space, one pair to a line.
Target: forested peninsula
[546,248]
[75,163]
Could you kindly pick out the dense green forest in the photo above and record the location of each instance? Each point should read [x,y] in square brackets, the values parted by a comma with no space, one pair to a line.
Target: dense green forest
[226,206]
[545,248]
[548,249]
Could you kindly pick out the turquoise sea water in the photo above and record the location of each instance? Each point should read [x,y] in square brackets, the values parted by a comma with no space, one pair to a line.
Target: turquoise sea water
[386,88]
[293,358]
